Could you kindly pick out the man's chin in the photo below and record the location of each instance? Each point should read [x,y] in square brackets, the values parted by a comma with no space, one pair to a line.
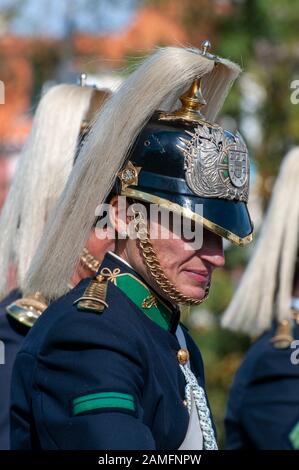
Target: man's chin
[197,293]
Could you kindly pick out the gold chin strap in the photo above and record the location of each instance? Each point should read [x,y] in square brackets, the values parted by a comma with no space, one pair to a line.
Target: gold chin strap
[88,261]
[154,267]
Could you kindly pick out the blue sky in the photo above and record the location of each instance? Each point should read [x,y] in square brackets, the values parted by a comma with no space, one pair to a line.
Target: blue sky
[52,17]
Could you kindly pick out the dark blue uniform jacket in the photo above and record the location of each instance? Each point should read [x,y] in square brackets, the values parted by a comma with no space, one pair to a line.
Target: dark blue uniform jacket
[110,380]
[263,407]
[11,336]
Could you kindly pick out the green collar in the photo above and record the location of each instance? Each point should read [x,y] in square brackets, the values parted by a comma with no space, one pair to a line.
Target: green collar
[145,300]
[113,269]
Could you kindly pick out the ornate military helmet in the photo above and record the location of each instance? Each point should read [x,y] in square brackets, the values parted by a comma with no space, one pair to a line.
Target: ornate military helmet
[177,158]
[181,160]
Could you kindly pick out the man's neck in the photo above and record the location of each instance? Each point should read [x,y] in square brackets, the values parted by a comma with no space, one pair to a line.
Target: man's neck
[117,255]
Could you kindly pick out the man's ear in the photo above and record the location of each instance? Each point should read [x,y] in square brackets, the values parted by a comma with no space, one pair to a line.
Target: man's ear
[118,215]
[98,246]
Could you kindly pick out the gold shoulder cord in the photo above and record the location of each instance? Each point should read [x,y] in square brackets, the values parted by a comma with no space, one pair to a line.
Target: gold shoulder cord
[155,268]
[295,314]
[94,297]
[28,309]
[283,336]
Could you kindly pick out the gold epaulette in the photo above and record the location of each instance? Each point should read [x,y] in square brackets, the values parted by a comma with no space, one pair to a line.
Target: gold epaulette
[27,309]
[283,336]
[296,316]
[94,297]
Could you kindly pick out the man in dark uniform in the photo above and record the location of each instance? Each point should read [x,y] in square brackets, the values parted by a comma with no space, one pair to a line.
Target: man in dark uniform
[263,406]
[48,156]
[107,366]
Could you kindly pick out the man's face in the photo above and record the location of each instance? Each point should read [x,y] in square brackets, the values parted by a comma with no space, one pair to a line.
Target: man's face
[187,266]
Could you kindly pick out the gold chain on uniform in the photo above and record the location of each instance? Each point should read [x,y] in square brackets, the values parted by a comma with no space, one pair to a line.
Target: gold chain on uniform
[155,268]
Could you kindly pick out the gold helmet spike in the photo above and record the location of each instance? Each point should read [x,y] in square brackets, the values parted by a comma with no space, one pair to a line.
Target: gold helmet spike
[193,100]
[82,79]
[97,100]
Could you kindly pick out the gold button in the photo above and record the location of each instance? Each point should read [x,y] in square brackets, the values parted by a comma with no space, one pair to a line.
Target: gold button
[185,403]
[183,356]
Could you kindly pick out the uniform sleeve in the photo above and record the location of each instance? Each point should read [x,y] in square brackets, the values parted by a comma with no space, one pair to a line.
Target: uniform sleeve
[270,407]
[88,386]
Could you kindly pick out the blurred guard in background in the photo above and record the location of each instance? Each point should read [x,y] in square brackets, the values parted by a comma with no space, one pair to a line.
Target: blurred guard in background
[107,366]
[59,125]
[263,407]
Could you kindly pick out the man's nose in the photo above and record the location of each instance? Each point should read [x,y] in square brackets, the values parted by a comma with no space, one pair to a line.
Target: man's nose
[213,253]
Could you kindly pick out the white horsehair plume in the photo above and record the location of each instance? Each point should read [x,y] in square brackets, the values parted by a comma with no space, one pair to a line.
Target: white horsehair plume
[43,168]
[265,291]
[166,73]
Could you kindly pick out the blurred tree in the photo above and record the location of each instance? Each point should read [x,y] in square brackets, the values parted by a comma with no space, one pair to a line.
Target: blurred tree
[264,36]
[44,18]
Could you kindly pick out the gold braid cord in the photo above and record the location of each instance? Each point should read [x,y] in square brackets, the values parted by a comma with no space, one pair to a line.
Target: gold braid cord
[89,261]
[94,297]
[28,309]
[154,267]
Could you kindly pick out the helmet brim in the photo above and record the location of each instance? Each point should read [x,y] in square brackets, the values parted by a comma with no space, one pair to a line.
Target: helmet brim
[229,219]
